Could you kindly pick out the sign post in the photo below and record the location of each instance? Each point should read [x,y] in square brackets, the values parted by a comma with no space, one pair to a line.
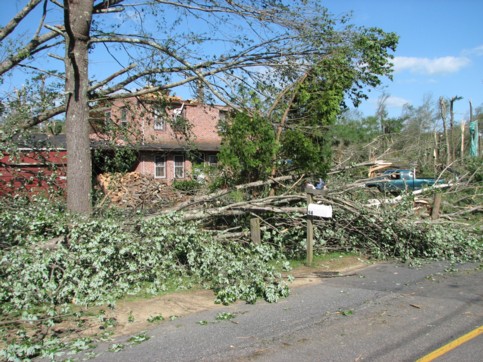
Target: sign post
[314,210]
[255,230]
[310,230]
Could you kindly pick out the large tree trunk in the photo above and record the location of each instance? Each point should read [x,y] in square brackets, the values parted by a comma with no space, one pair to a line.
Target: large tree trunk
[77,17]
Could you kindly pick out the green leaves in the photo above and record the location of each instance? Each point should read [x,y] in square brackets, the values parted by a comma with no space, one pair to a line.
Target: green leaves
[156,318]
[116,347]
[96,261]
[224,316]
[26,221]
[139,338]
[394,233]
[248,147]
[346,313]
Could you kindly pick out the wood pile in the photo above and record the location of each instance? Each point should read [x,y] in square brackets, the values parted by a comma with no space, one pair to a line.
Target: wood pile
[136,191]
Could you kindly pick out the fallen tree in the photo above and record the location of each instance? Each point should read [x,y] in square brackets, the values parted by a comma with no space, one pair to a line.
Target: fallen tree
[51,260]
[218,210]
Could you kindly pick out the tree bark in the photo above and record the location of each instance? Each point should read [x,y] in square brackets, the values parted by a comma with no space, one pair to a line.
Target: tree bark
[451,123]
[462,140]
[220,193]
[77,18]
[442,105]
[435,151]
[436,206]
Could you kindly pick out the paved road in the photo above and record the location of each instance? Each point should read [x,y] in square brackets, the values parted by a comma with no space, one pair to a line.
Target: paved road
[385,312]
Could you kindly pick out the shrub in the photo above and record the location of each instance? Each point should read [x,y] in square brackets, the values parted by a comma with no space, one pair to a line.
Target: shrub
[188,186]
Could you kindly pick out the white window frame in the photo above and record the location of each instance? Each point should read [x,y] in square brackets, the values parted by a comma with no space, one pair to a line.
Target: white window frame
[159,164]
[124,121]
[159,121]
[178,165]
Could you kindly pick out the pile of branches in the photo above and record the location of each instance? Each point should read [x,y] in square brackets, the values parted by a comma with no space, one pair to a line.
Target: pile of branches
[54,267]
[52,261]
[136,191]
[374,224]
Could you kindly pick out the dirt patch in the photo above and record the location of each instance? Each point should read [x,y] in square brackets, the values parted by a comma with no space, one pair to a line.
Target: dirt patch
[335,267]
[132,316]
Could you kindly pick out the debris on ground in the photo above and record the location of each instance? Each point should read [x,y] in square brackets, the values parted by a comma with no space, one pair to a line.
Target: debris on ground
[136,191]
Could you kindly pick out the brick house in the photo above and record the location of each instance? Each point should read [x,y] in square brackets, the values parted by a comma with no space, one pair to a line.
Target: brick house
[169,133]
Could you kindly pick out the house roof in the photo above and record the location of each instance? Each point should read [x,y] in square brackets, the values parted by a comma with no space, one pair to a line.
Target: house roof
[180,146]
[41,141]
[44,141]
[172,146]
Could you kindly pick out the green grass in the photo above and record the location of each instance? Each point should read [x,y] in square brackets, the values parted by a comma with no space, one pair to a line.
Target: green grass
[175,285]
[317,260]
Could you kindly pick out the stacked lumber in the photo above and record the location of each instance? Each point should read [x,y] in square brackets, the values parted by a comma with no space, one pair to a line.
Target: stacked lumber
[137,191]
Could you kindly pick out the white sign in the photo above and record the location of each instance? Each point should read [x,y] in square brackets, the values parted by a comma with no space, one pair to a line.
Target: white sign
[319,210]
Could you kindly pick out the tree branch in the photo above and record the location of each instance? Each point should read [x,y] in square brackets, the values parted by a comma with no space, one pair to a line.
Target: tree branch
[218,194]
[30,49]
[12,24]
[106,5]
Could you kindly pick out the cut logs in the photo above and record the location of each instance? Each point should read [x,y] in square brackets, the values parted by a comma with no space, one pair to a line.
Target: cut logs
[136,191]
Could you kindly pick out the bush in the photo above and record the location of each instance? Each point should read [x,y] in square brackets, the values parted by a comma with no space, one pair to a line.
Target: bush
[187,186]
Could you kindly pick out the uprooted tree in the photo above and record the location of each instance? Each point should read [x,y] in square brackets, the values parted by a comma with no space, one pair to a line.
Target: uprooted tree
[263,45]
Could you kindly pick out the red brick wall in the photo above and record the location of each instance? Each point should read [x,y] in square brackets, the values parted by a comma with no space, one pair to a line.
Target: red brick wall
[146,165]
[33,172]
[203,120]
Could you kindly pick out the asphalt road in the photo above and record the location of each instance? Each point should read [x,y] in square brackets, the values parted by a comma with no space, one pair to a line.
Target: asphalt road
[385,312]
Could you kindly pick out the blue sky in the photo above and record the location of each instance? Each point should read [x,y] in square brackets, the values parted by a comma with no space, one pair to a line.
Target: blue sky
[440,50]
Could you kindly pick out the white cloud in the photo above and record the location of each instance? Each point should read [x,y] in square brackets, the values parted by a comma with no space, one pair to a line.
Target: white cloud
[396,102]
[476,51]
[393,104]
[440,65]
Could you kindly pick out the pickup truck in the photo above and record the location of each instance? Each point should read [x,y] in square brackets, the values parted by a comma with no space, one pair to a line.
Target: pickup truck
[397,180]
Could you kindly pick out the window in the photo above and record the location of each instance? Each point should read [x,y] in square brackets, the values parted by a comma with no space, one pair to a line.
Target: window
[105,126]
[211,160]
[223,115]
[160,166]
[123,117]
[179,166]
[158,123]
[396,176]
[223,120]
[158,120]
